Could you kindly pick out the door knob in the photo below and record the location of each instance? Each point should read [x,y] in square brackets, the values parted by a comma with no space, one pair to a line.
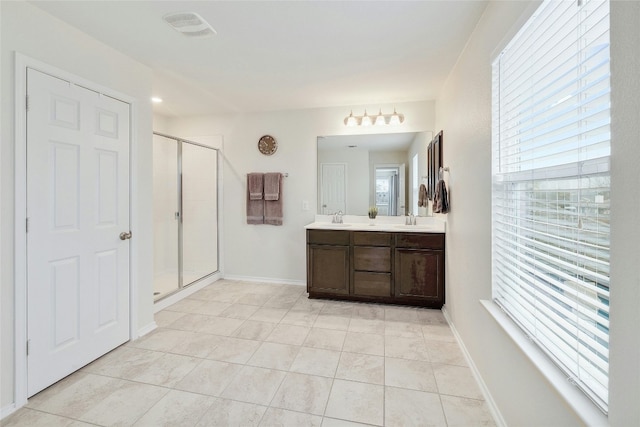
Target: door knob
[125,235]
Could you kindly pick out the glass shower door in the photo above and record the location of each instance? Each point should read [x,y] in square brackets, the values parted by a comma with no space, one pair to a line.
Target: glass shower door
[166,269]
[199,212]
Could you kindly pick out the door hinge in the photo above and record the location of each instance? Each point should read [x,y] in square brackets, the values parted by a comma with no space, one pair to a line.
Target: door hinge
[28,346]
[27,102]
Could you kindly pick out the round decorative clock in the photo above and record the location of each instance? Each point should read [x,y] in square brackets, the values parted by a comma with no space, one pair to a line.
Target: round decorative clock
[267,145]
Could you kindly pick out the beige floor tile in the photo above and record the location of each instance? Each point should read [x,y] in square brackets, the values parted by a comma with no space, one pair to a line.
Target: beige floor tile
[282,417]
[438,332]
[125,404]
[368,311]
[74,395]
[446,352]
[300,318]
[252,299]
[122,362]
[325,338]
[358,342]
[404,407]
[198,345]
[240,311]
[234,350]
[401,314]
[176,408]
[406,348]
[359,402]
[309,305]
[332,321]
[220,326]
[336,308]
[274,356]
[367,326]
[431,316]
[456,381]
[29,418]
[166,317]
[281,301]
[162,340]
[303,393]
[229,413]
[266,314]
[332,422]
[461,412]
[316,361]
[288,334]
[189,322]
[412,374]
[212,308]
[166,371]
[254,385]
[254,330]
[361,367]
[403,329]
[209,377]
[187,305]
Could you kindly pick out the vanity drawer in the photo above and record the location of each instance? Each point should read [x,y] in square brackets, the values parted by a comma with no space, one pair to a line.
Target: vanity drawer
[328,237]
[420,240]
[372,284]
[372,259]
[371,238]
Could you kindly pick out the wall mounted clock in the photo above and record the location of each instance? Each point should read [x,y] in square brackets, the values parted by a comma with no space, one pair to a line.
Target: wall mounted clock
[267,145]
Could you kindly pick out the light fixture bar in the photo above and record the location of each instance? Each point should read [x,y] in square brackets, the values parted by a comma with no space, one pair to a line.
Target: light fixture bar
[380,119]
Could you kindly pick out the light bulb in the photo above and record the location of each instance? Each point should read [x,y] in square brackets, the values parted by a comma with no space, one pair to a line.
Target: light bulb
[366,120]
[380,119]
[350,121]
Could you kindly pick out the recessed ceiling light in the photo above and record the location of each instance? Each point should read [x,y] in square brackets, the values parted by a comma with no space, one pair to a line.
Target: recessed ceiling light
[156,100]
[189,24]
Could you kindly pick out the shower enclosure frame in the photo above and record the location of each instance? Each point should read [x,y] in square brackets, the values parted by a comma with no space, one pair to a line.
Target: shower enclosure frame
[179,214]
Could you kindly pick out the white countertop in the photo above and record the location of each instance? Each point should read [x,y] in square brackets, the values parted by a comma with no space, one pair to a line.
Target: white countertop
[388,224]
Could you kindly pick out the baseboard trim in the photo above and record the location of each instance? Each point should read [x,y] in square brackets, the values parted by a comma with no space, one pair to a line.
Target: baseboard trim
[146,329]
[8,410]
[493,408]
[266,280]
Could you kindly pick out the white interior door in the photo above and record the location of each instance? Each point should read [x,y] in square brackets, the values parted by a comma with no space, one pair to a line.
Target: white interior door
[401,191]
[333,188]
[77,206]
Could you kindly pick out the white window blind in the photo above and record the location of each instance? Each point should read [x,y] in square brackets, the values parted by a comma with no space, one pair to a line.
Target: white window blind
[551,210]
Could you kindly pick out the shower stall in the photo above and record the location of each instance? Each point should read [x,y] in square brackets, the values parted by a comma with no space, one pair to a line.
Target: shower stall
[185,210]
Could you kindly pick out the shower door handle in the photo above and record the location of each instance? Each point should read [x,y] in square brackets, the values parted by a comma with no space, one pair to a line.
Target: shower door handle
[125,235]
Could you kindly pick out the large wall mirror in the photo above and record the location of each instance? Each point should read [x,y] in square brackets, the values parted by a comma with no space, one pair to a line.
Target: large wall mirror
[382,170]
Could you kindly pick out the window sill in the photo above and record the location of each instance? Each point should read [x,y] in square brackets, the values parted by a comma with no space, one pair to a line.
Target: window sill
[584,408]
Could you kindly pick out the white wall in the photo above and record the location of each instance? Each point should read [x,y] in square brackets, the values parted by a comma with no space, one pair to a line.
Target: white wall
[419,147]
[28,30]
[523,396]
[272,252]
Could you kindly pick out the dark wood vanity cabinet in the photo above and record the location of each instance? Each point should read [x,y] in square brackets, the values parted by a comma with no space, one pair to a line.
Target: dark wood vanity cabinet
[402,268]
[328,266]
[419,267]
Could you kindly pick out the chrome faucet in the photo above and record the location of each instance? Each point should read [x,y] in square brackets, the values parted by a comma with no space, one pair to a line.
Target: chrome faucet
[337,218]
[410,219]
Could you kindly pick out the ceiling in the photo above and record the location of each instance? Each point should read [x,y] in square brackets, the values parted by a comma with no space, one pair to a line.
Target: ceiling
[281,55]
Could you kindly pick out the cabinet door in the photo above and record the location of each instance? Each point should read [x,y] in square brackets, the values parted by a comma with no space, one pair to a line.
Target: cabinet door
[328,269]
[419,274]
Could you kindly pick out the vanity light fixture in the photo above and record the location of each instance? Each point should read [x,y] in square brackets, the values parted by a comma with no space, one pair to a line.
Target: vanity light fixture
[377,120]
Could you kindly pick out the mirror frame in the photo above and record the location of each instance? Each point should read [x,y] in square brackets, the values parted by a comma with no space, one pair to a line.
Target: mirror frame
[434,163]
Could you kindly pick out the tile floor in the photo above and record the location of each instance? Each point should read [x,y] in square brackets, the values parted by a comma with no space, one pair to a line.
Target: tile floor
[250,354]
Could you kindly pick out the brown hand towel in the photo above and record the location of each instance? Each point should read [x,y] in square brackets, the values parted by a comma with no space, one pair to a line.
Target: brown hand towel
[422,196]
[273,208]
[272,186]
[441,199]
[254,183]
[255,208]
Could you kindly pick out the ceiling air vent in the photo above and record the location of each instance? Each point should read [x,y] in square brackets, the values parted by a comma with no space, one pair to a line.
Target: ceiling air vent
[190,24]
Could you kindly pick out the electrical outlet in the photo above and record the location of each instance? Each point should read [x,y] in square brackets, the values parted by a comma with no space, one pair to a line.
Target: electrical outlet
[305,205]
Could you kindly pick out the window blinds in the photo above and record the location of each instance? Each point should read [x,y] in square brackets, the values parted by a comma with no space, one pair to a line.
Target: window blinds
[550,219]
